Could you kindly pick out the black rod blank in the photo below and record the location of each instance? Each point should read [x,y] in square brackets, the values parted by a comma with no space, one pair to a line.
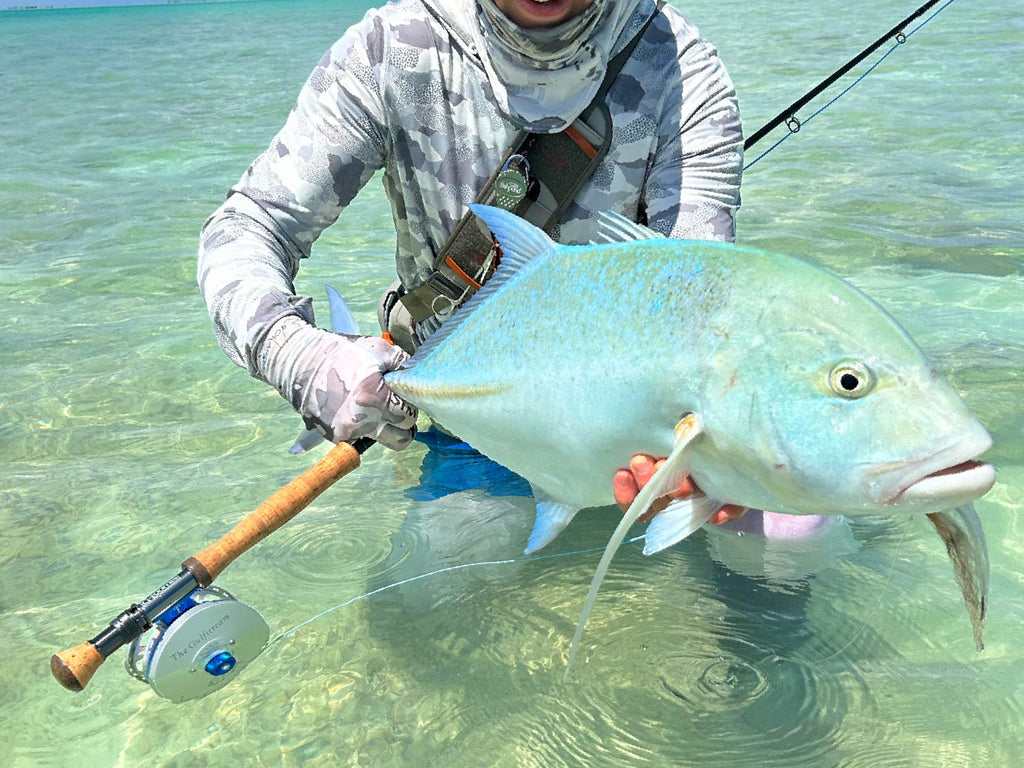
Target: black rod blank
[790,112]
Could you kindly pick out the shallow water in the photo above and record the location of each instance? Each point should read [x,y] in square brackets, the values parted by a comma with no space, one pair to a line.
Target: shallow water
[128,441]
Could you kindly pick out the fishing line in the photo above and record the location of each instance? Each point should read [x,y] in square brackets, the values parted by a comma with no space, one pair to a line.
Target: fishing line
[448,569]
[872,613]
[788,116]
[571,553]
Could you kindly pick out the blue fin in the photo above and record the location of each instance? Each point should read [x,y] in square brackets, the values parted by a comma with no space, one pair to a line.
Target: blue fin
[677,521]
[521,242]
[552,517]
[342,320]
[308,438]
[613,227]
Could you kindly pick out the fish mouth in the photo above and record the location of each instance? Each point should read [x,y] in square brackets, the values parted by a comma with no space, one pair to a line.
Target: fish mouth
[948,476]
[950,486]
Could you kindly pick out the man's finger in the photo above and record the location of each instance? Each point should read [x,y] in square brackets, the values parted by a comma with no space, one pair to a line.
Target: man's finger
[727,514]
[625,488]
[643,468]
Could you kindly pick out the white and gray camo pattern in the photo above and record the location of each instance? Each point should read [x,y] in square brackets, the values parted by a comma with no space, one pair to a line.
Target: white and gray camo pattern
[405,91]
[545,77]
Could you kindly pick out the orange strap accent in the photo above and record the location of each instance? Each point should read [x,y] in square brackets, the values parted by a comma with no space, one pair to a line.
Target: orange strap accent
[458,270]
[585,145]
[387,337]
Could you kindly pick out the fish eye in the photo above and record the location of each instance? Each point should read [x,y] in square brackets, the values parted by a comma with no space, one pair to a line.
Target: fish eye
[851,379]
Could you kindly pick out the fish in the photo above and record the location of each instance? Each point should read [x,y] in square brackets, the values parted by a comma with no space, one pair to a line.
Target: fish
[776,385]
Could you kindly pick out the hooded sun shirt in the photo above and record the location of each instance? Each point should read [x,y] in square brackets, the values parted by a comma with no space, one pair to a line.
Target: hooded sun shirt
[431,93]
[545,77]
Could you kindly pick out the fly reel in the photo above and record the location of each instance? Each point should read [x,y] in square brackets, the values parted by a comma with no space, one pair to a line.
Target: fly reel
[197,646]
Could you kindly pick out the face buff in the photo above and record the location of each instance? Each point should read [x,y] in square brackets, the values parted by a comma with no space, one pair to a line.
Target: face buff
[544,78]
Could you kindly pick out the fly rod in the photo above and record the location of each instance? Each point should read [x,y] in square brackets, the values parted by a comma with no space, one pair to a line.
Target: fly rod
[788,115]
[75,667]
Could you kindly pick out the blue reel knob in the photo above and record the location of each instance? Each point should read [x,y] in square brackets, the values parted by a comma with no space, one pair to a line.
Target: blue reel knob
[221,664]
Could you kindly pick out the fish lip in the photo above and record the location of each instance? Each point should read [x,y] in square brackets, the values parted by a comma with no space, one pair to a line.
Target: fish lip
[951,476]
[967,481]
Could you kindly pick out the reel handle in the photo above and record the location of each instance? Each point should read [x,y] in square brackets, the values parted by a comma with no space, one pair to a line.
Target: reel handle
[75,667]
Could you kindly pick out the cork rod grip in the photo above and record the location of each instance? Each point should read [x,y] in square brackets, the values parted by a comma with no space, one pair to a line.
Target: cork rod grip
[277,510]
[75,667]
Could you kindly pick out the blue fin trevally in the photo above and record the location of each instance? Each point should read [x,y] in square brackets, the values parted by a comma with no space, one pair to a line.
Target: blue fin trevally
[776,385]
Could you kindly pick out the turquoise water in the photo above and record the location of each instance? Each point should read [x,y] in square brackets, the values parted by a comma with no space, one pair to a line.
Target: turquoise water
[128,441]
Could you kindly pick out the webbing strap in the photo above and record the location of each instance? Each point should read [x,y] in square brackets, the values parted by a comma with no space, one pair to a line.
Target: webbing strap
[560,163]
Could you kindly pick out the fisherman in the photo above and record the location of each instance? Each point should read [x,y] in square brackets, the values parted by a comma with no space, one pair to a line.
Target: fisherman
[443,96]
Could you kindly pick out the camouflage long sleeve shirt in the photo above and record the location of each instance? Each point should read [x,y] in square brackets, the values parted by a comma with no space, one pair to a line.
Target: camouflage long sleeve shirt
[403,92]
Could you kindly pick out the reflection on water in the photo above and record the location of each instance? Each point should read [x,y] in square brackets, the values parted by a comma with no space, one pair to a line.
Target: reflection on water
[782,558]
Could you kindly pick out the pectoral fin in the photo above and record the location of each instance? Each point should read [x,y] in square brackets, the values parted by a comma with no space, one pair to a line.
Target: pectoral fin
[965,544]
[677,521]
[665,479]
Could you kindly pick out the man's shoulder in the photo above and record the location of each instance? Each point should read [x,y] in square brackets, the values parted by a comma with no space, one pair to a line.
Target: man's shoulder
[405,35]
[405,27]
[415,22]
[671,50]
[670,38]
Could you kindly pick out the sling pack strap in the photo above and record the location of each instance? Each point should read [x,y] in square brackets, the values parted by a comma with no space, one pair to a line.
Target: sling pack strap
[559,164]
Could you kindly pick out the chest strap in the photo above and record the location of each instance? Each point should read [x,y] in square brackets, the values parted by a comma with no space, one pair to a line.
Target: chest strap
[558,164]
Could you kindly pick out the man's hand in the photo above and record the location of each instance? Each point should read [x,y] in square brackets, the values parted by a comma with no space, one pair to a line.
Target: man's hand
[336,382]
[628,482]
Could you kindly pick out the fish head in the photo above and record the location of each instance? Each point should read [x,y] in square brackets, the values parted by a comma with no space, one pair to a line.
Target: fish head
[829,406]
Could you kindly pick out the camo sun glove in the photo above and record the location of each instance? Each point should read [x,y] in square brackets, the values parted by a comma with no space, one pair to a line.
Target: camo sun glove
[336,382]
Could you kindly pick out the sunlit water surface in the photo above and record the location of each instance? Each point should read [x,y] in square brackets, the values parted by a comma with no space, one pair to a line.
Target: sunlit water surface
[128,441]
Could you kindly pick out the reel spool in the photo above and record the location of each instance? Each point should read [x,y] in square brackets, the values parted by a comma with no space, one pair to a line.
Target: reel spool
[197,646]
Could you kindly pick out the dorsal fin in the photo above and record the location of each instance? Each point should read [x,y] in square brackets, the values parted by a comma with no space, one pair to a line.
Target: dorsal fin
[342,320]
[519,239]
[521,242]
[613,227]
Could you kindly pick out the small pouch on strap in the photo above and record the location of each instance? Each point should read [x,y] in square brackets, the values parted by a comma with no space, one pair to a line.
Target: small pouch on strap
[395,321]
[561,163]
[458,272]
[558,164]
